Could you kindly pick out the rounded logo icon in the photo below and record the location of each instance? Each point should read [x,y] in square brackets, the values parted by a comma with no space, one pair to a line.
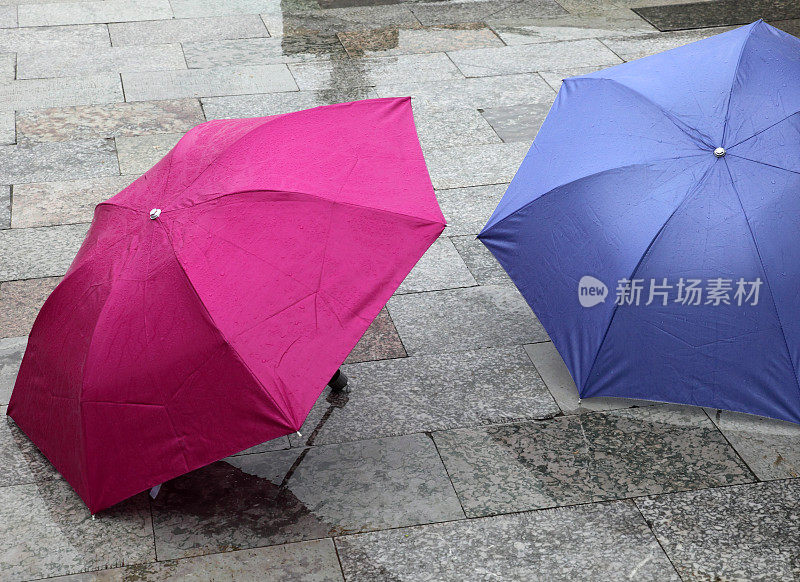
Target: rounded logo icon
[591,291]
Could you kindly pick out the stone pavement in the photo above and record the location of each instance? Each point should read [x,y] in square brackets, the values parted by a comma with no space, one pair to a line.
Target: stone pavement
[463,452]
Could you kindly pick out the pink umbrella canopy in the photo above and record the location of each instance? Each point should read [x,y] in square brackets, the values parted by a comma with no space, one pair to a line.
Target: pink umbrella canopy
[215,297]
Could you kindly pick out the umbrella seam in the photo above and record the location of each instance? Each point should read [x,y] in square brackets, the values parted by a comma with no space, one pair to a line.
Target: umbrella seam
[636,268]
[289,418]
[171,155]
[267,120]
[593,174]
[766,164]
[184,383]
[216,158]
[309,194]
[766,279]
[677,122]
[733,80]
[113,281]
[760,131]
[310,291]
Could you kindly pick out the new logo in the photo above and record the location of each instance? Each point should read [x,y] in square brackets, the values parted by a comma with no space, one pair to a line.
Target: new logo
[591,291]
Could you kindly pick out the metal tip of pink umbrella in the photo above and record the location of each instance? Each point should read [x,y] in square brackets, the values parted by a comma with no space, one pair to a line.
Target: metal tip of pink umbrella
[215,297]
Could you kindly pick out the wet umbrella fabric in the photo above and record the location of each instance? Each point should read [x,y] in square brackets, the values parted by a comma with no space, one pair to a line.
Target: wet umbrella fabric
[680,169]
[213,323]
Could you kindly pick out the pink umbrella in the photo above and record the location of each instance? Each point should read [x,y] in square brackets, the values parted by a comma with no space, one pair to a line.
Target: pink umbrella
[215,297]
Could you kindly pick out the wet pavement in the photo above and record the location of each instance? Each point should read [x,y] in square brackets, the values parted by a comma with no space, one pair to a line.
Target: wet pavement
[463,452]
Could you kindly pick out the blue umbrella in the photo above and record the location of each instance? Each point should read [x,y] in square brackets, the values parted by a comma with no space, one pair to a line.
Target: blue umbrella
[654,226]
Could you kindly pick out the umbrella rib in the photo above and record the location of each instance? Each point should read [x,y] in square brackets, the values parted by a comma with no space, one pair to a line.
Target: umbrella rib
[766,278]
[592,175]
[677,122]
[83,370]
[225,150]
[283,409]
[766,164]
[638,264]
[310,195]
[733,80]
[171,155]
[760,131]
[267,120]
[279,270]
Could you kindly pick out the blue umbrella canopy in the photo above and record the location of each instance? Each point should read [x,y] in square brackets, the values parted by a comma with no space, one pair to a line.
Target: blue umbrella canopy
[654,225]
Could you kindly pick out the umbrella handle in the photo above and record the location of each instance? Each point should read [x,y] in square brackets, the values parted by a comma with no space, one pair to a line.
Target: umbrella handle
[339,382]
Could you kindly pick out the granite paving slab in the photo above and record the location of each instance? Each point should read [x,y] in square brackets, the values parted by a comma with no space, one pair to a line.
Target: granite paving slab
[394,41]
[277,444]
[556,376]
[374,71]
[464,319]
[437,13]
[468,209]
[526,12]
[8,133]
[5,207]
[312,561]
[46,530]
[425,393]
[587,458]
[594,543]
[66,62]
[476,165]
[93,11]
[232,80]
[260,51]
[790,26]
[11,351]
[475,92]
[30,253]
[720,13]
[8,65]
[441,127]
[187,29]
[748,532]
[480,262]
[20,460]
[271,498]
[380,342]
[304,20]
[278,103]
[574,27]
[554,78]
[203,8]
[771,448]
[635,3]
[89,89]
[20,302]
[439,268]
[305,45]
[8,16]
[531,58]
[109,120]
[47,162]
[592,8]
[137,154]
[517,122]
[635,47]
[15,40]
[54,203]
